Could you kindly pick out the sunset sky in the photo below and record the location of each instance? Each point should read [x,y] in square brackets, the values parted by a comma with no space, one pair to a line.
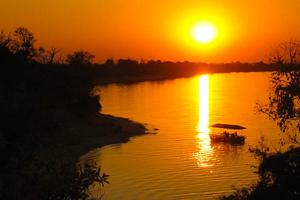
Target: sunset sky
[157,29]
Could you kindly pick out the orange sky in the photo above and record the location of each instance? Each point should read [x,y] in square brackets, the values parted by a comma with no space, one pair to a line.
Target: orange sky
[158,29]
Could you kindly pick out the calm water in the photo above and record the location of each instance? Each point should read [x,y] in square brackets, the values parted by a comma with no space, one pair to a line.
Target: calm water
[180,162]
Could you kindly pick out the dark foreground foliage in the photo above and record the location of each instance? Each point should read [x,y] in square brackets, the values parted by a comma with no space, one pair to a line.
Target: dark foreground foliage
[279,173]
[41,107]
[279,178]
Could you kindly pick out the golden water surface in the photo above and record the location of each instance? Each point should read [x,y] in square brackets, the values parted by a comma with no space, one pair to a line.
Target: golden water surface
[180,162]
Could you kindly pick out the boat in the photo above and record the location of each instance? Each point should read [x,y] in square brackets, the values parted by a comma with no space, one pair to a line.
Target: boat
[226,136]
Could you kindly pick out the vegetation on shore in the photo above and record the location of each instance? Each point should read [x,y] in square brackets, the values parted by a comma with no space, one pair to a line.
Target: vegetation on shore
[50,118]
[115,70]
[279,171]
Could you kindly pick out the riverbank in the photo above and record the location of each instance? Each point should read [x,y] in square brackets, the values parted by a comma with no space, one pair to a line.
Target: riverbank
[104,130]
[50,120]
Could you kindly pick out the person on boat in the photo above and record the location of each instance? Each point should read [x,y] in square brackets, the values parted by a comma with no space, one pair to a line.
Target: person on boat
[226,134]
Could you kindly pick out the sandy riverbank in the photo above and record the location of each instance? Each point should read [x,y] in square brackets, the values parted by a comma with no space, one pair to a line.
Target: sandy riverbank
[114,130]
[102,130]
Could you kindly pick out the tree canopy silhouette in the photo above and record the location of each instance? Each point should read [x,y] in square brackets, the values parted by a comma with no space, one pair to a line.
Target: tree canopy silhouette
[284,100]
[80,58]
[22,44]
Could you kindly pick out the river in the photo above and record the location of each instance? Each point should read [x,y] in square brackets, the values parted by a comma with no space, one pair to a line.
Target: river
[179,162]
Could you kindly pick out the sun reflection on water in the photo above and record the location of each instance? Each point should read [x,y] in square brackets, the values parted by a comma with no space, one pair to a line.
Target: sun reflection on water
[204,153]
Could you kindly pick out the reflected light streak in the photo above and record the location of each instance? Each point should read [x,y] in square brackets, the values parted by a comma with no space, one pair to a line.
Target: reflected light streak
[203,104]
[204,153]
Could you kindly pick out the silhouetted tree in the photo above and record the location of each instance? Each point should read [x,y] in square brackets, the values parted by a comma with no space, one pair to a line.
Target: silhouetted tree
[52,55]
[41,56]
[286,54]
[279,172]
[47,56]
[5,53]
[4,39]
[80,58]
[284,101]
[127,62]
[22,44]
[109,62]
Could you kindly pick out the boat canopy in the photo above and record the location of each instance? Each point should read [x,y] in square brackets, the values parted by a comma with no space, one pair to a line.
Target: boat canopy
[228,126]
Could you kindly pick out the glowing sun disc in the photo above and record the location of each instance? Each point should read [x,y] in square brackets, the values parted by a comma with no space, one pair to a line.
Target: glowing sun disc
[203,33]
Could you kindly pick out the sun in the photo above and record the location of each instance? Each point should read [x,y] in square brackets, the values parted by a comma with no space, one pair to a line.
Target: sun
[204,32]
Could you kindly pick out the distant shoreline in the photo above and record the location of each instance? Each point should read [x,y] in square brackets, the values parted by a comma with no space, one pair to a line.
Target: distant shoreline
[129,71]
[130,80]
